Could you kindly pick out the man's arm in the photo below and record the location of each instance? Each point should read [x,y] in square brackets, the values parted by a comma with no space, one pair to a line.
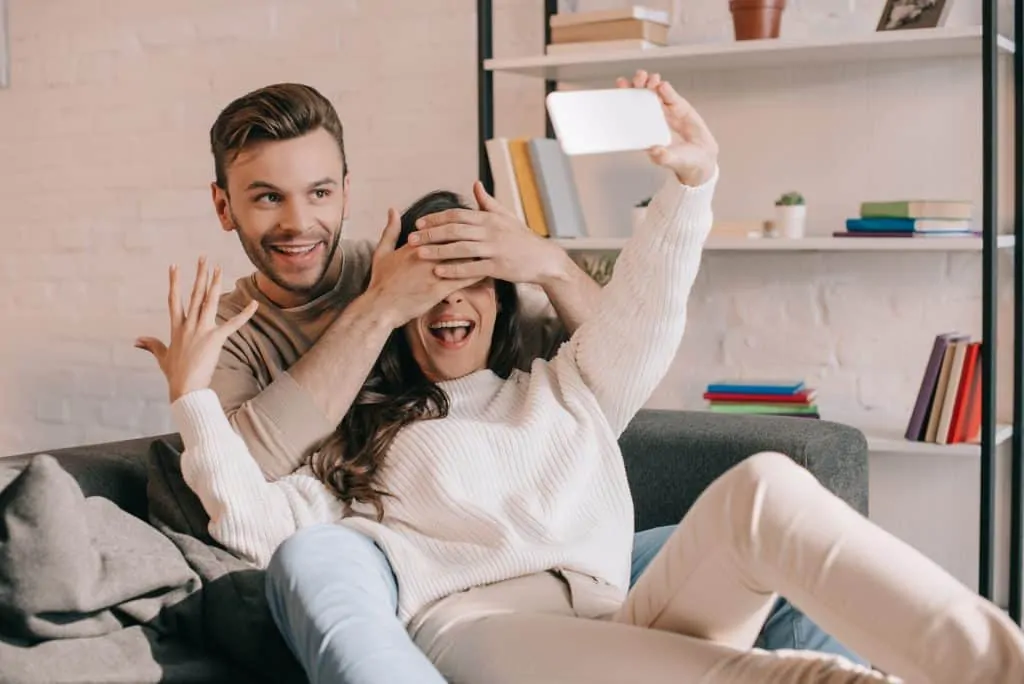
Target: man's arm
[284,421]
[333,371]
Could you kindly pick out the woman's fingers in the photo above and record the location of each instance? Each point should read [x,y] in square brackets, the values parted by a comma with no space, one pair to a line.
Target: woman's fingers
[153,346]
[231,326]
[208,314]
[198,292]
[173,298]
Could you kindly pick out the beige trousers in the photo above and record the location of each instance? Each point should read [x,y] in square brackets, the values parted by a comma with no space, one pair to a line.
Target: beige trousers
[765,526]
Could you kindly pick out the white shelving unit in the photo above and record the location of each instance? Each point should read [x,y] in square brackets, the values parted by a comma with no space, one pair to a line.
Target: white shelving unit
[962,41]
[872,53]
[889,440]
[807,244]
[945,42]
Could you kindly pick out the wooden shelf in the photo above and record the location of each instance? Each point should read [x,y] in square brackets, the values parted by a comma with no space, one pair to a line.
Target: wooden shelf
[959,41]
[808,244]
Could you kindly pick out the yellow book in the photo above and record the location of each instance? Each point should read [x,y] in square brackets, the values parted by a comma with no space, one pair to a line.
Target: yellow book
[527,182]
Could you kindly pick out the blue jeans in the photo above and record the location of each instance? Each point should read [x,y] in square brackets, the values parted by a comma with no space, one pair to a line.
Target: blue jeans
[334,597]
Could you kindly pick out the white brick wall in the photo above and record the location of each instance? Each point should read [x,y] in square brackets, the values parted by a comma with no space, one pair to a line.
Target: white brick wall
[104,169]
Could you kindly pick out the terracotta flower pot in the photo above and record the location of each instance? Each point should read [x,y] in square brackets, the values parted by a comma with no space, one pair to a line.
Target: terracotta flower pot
[754,19]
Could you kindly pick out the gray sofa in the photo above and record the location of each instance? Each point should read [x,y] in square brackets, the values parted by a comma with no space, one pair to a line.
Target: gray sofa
[670,458]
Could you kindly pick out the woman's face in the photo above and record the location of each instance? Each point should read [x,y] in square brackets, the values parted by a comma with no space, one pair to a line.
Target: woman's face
[454,338]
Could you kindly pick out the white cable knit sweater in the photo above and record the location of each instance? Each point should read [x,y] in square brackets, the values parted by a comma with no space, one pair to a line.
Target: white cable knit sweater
[524,475]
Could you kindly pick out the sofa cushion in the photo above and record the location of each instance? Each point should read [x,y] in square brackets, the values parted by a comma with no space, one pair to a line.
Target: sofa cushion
[169,499]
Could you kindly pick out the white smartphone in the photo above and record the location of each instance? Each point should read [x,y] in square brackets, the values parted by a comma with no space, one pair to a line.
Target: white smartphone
[608,120]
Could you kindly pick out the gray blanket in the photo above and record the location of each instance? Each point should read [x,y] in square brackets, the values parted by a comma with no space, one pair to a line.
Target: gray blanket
[90,593]
[72,567]
[235,621]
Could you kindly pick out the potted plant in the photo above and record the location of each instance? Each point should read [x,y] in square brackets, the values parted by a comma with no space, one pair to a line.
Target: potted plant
[756,19]
[640,211]
[790,215]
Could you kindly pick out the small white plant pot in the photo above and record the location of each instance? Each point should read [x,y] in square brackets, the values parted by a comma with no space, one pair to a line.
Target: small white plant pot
[791,220]
[638,216]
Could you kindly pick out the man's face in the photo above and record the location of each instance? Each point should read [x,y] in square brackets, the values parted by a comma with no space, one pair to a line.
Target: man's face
[286,200]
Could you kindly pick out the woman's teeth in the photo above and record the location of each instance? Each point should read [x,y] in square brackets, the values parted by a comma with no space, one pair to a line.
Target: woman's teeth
[450,324]
[451,331]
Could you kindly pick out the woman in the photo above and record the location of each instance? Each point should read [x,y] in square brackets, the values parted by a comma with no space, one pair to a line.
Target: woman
[501,500]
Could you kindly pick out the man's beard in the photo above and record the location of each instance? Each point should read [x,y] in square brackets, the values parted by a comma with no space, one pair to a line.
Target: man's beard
[260,255]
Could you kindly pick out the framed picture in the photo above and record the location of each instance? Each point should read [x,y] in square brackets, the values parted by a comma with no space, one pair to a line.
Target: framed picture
[913,14]
[5,52]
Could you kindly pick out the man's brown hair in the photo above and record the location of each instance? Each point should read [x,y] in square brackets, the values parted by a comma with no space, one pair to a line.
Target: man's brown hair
[276,112]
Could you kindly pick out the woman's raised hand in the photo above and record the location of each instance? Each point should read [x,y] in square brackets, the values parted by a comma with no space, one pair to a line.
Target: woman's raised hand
[196,337]
[693,152]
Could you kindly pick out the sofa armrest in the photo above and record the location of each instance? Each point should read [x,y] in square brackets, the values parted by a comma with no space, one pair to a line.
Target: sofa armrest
[672,456]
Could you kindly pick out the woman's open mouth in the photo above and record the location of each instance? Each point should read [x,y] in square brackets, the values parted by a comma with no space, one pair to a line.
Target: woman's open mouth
[452,334]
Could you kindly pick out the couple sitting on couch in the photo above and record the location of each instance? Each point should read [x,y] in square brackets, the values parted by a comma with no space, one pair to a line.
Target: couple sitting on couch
[435,498]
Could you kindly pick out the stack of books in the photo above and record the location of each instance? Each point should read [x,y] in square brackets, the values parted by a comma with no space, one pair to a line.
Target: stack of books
[765,397]
[631,28]
[911,218]
[533,178]
[948,406]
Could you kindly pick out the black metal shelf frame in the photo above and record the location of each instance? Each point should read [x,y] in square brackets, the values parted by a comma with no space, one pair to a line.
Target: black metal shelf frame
[990,275]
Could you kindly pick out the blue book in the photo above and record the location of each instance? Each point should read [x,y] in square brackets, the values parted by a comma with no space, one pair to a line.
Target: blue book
[756,386]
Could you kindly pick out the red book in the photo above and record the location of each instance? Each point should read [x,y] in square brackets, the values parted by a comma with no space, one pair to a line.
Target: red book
[958,422]
[802,397]
[972,411]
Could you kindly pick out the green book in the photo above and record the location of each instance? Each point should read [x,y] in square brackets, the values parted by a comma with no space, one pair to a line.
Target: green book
[762,408]
[917,209]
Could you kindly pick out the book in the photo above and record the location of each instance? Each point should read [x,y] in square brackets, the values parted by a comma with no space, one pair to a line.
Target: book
[774,387]
[597,16]
[956,369]
[927,209]
[916,426]
[896,225]
[621,29]
[527,184]
[559,196]
[957,424]
[763,409]
[600,46]
[505,189]
[903,234]
[802,397]
[941,385]
[972,410]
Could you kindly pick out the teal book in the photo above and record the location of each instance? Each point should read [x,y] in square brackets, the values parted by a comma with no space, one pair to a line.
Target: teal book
[756,386]
[909,225]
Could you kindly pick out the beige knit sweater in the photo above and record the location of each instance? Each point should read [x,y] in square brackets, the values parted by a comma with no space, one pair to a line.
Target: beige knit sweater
[524,474]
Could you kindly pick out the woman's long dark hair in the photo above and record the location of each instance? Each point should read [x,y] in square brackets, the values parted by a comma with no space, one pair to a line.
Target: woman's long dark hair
[396,391]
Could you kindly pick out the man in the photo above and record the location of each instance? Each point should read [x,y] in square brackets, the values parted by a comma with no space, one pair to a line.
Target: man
[288,376]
